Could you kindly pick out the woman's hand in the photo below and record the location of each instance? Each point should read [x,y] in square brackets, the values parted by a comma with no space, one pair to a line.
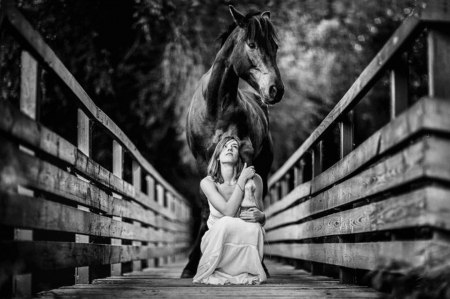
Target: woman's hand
[253,215]
[246,174]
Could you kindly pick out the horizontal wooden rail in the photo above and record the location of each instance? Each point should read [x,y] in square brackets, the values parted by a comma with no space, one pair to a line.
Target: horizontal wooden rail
[365,255]
[20,257]
[351,216]
[45,54]
[40,138]
[424,207]
[60,208]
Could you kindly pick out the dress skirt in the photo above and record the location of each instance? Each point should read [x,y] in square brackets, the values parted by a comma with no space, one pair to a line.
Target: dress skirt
[232,253]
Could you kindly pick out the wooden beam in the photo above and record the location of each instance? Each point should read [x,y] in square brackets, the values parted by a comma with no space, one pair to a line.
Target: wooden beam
[346,135]
[22,284]
[439,61]
[365,255]
[20,256]
[36,42]
[317,159]
[424,207]
[423,163]
[406,32]
[399,85]
[27,212]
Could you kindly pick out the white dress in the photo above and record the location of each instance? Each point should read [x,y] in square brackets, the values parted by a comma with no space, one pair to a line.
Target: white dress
[232,251]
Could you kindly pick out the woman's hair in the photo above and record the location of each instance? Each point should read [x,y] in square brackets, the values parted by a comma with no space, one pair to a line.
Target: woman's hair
[214,163]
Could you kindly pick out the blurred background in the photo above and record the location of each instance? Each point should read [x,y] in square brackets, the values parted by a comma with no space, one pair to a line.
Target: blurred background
[140,60]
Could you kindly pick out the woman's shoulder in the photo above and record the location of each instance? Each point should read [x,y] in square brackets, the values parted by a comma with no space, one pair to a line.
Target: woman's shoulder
[207,181]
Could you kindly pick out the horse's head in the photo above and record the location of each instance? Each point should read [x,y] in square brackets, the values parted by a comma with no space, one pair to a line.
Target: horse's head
[254,54]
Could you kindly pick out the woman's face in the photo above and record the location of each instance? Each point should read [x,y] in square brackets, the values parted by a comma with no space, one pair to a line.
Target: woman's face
[230,152]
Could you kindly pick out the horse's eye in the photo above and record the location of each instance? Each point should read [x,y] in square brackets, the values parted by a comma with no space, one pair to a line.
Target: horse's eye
[251,45]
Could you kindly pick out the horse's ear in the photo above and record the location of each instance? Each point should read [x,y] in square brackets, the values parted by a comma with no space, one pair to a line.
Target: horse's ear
[266,14]
[237,16]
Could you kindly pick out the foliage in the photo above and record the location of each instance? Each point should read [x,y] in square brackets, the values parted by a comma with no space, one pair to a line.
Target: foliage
[140,61]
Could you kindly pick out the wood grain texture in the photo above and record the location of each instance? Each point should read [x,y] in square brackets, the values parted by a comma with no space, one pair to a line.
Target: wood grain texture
[364,255]
[164,282]
[299,192]
[21,256]
[34,40]
[422,160]
[428,115]
[40,138]
[21,168]
[365,81]
[36,213]
[428,207]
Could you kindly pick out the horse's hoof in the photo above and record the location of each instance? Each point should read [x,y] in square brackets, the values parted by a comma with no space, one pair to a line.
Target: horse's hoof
[187,274]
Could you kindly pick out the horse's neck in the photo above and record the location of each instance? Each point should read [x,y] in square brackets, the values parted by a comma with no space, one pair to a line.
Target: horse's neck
[223,83]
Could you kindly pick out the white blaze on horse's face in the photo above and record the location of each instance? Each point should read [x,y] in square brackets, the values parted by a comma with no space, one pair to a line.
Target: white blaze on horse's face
[255,58]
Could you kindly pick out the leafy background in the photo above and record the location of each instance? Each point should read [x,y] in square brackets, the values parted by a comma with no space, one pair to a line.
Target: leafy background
[140,61]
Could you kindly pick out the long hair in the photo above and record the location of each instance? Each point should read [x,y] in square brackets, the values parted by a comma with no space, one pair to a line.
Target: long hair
[214,164]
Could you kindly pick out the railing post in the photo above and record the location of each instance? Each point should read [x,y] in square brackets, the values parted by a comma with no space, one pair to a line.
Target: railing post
[116,269]
[298,173]
[136,168]
[439,74]
[84,142]
[22,284]
[346,134]
[317,159]
[285,185]
[399,85]
[439,61]
[160,196]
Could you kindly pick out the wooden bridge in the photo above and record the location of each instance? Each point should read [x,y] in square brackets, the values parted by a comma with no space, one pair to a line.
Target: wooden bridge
[72,228]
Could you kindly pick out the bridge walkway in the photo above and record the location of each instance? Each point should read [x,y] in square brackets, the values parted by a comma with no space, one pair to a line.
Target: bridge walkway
[164,282]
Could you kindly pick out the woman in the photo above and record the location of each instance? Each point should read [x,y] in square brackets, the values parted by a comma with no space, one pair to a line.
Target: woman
[233,246]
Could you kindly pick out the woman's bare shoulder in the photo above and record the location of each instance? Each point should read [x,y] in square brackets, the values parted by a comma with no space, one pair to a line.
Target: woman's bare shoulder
[207,181]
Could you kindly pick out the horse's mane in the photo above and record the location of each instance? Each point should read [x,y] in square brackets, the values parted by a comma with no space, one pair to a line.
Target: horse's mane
[257,28]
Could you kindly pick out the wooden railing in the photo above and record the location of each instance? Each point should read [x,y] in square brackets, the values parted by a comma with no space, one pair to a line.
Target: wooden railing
[387,199]
[61,213]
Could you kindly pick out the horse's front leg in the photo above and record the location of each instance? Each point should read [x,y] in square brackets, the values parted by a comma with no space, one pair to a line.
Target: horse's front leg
[246,152]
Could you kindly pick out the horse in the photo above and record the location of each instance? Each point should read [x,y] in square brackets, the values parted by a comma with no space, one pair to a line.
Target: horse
[219,108]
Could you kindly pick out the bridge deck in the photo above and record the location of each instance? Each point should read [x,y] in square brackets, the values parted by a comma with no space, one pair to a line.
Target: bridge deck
[164,282]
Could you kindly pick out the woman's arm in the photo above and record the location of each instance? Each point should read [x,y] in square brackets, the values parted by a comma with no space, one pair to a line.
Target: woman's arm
[230,207]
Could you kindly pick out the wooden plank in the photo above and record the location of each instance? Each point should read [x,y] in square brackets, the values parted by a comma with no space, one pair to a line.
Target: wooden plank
[346,135]
[439,61]
[429,114]
[317,159]
[364,255]
[34,40]
[407,31]
[29,85]
[299,192]
[424,207]
[419,161]
[84,144]
[33,172]
[399,85]
[27,212]
[40,138]
[20,256]
[22,284]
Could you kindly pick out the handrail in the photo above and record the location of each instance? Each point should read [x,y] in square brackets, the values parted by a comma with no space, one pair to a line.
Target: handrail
[35,41]
[411,26]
